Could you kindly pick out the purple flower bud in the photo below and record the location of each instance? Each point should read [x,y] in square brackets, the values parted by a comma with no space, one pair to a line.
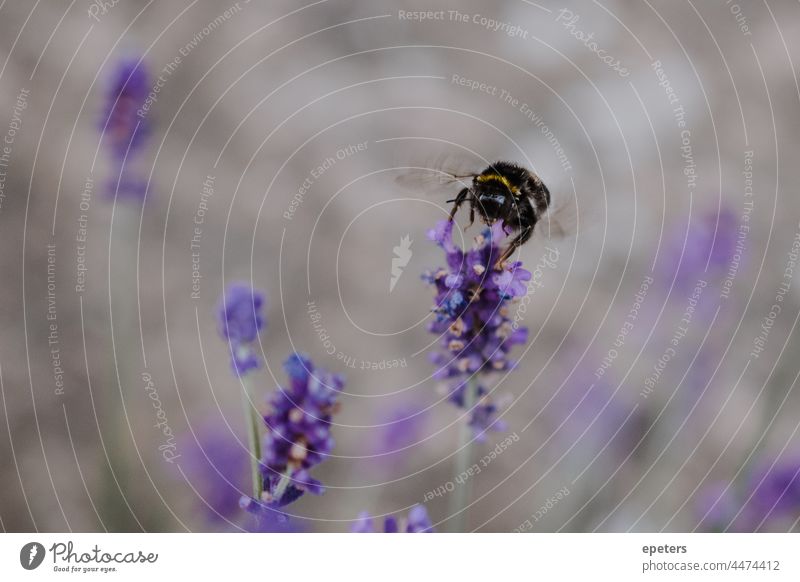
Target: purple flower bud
[417,522]
[122,128]
[442,234]
[267,518]
[390,525]
[513,281]
[239,320]
[363,524]
[483,416]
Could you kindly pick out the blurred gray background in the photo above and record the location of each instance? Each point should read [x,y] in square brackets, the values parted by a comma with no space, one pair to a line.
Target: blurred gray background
[258,102]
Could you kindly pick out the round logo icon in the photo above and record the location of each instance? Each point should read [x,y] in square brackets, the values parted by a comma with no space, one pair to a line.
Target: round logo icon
[31,555]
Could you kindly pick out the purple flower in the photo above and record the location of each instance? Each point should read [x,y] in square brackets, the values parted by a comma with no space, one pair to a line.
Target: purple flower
[778,488]
[298,430]
[442,234]
[512,282]
[123,129]
[774,495]
[768,500]
[484,412]
[400,429]
[239,318]
[710,242]
[591,408]
[216,465]
[267,518]
[473,316]
[417,522]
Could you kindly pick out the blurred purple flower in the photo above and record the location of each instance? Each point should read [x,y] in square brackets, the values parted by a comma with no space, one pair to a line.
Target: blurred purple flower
[400,429]
[417,522]
[710,241]
[216,465]
[240,320]
[472,314]
[298,430]
[769,500]
[774,494]
[589,408]
[267,518]
[122,128]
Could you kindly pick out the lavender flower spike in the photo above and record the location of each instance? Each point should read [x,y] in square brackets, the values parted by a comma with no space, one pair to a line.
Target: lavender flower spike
[125,128]
[298,431]
[473,317]
[417,522]
[240,320]
[122,127]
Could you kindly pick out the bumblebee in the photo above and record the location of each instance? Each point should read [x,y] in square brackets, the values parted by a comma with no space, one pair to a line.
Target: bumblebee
[503,191]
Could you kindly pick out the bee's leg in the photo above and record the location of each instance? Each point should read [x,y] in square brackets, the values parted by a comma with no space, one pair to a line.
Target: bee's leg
[459,200]
[471,214]
[515,243]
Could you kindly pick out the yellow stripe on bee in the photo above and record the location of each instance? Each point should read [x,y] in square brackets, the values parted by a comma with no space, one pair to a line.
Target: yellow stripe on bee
[498,178]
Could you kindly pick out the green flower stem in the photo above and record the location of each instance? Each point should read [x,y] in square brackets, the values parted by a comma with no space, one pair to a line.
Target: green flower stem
[280,488]
[122,499]
[463,461]
[253,422]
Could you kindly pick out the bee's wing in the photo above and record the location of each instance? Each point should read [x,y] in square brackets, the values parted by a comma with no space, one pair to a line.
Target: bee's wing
[562,220]
[440,174]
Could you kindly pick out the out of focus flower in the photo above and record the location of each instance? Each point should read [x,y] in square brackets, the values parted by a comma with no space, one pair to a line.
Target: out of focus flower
[774,495]
[298,431]
[473,316]
[592,408]
[401,428]
[417,522]
[240,320]
[124,131]
[704,252]
[216,465]
[768,501]
[267,517]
